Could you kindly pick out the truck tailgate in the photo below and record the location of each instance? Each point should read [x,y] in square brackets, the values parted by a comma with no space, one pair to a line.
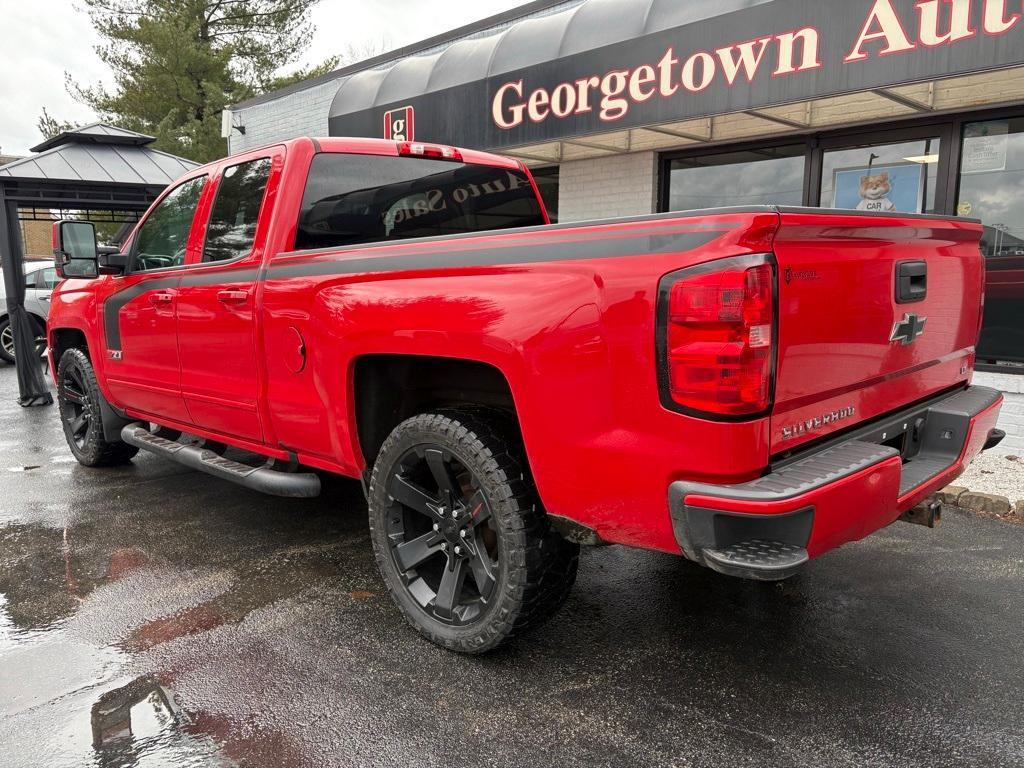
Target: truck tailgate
[875,312]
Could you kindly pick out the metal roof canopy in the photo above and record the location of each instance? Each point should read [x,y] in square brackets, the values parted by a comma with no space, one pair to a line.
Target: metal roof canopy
[96,167]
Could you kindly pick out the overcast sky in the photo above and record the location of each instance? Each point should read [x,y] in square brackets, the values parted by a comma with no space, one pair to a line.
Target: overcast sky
[46,38]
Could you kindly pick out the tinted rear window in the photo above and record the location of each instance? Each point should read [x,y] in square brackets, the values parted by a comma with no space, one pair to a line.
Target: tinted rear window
[353,199]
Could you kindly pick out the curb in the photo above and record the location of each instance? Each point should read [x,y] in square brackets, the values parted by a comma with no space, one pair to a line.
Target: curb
[979,503]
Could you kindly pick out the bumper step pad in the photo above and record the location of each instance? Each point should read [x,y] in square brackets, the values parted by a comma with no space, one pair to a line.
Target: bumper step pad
[757,559]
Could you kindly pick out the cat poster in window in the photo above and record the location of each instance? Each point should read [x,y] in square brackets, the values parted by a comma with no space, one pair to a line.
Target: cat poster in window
[883,188]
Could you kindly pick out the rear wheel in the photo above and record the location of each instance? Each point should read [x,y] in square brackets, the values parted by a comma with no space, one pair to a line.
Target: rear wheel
[79,398]
[461,541]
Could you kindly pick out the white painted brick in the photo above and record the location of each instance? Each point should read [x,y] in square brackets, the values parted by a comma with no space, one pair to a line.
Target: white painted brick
[1011,417]
[620,185]
[1006,382]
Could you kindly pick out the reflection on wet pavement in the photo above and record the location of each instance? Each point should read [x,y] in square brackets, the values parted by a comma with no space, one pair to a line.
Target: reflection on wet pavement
[154,616]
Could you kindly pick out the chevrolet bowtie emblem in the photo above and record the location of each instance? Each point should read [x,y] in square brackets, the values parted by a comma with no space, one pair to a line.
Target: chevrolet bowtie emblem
[908,329]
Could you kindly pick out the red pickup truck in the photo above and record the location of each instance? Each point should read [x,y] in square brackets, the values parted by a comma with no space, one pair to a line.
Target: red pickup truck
[749,388]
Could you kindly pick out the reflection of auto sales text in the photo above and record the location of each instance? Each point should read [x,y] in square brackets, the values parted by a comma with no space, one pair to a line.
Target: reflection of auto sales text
[434,200]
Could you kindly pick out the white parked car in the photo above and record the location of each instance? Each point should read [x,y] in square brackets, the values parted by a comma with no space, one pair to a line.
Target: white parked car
[40,279]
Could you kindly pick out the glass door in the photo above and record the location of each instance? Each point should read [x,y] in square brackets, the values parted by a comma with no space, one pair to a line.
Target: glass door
[991,188]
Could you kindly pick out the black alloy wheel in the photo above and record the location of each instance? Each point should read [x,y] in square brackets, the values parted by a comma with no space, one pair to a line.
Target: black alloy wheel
[80,403]
[76,406]
[441,534]
[461,539]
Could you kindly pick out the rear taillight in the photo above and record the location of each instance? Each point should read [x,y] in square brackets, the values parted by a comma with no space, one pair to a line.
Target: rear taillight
[716,337]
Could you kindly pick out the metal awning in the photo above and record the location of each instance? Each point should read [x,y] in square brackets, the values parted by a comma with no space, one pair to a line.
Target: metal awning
[96,167]
[98,154]
[585,27]
[604,68]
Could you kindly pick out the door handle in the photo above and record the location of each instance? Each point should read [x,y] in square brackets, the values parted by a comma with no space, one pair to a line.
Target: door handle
[232,297]
[161,298]
[44,298]
[911,281]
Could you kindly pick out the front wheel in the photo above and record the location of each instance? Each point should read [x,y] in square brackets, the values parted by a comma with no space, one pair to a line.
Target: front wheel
[462,543]
[79,398]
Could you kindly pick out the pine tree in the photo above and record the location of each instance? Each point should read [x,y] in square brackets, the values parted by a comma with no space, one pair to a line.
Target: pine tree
[50,126]
[178,63]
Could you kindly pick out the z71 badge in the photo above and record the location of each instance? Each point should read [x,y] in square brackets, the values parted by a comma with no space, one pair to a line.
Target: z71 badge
[809,425]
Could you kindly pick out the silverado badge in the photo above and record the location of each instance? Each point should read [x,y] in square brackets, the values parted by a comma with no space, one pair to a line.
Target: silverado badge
[817,422]
[908,329]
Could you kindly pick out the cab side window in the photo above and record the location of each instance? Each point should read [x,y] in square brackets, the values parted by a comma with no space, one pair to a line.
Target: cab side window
[232,228]
[163,236]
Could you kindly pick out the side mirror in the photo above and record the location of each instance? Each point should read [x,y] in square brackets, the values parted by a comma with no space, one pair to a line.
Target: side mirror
[112,261]
[75,255]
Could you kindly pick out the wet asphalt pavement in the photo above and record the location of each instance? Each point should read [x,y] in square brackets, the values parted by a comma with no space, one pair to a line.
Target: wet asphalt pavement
[151,615]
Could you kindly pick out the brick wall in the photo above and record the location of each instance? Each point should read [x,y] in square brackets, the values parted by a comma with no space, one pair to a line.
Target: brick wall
[37,237]
[303,113]
[620,185]
[1011,416]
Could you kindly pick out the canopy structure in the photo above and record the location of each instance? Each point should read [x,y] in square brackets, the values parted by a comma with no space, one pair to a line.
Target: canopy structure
[96,169]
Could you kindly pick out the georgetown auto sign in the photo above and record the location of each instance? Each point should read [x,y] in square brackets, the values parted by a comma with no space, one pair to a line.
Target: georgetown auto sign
[771,53]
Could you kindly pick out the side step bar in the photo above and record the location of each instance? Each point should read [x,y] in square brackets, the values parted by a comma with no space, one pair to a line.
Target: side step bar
[295,485]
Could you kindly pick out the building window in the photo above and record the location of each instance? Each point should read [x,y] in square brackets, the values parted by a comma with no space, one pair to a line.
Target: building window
[547,183]
[886,178]
[773,175]
[991,188]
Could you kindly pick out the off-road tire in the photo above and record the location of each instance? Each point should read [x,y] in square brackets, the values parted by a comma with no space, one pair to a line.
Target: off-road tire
[536,567]
[90,448]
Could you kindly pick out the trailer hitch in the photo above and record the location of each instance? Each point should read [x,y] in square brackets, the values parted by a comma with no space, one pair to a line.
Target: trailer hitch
[927,513]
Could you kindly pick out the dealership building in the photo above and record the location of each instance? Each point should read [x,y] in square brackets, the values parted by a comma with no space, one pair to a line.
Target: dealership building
[624,107]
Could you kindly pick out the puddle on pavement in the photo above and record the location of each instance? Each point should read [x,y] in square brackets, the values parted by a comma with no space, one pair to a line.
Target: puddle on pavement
[115,584]
[86,606]
[142,719]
